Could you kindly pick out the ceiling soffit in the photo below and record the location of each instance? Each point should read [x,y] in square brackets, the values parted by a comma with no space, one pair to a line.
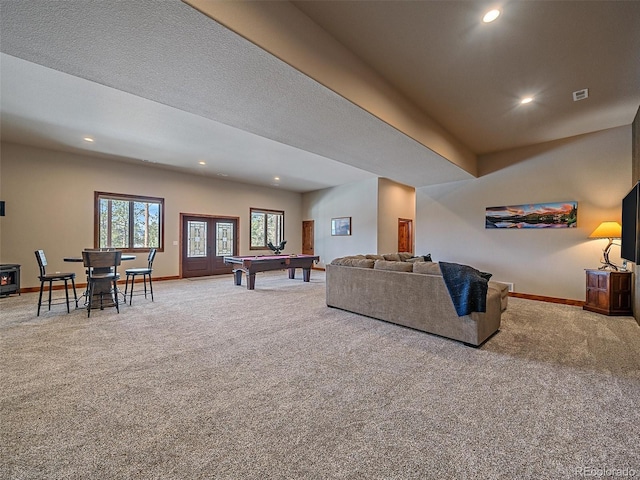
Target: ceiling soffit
[178,57]
[284,31]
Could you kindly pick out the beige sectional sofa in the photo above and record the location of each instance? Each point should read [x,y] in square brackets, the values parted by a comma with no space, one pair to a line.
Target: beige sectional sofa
[410,292]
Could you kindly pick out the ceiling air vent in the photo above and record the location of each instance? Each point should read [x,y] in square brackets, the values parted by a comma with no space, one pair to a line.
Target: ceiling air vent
[580,94]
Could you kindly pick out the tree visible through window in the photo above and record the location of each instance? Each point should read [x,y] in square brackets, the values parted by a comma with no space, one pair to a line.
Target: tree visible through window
[266,226]
[128,222]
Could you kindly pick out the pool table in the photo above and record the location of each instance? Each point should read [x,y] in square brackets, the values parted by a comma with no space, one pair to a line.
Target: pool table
[252,264]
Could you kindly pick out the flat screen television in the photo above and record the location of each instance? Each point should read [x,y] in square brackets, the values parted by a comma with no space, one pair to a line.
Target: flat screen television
[630,241]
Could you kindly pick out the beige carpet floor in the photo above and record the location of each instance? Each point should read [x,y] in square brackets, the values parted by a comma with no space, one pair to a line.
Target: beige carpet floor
[215,381]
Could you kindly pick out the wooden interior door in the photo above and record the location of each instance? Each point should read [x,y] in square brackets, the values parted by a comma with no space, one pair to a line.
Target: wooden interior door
[205,242]
[405,235]
[307,237]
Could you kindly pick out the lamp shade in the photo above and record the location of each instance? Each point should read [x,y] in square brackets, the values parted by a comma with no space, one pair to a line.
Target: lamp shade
[607,230]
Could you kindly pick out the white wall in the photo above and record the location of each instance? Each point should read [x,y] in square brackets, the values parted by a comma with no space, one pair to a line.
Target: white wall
[49,205]
[357,200]
[374,207]
[49,201]
[593,169]
[394,201]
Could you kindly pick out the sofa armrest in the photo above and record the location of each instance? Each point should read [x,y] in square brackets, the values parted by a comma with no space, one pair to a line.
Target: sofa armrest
[503,289]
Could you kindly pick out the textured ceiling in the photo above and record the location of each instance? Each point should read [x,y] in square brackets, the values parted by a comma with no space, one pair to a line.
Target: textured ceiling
[160,82]
[176,57]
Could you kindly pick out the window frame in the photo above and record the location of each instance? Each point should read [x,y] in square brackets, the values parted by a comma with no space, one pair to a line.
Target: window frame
[265,211]
[130,198]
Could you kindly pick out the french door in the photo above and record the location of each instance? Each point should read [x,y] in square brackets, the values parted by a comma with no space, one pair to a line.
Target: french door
[206,240]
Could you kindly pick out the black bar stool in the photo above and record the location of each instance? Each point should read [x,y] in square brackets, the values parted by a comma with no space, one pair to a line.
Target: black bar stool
[102,277]
[54,277]
[132,272]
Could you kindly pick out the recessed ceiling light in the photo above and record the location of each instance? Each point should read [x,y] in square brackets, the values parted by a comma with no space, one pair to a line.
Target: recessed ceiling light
[222,174]
[526,100]
[202,162]
[88,139]
[491,15]
[277,179]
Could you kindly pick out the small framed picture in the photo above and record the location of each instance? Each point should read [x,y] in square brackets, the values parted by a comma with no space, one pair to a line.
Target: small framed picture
[341,226]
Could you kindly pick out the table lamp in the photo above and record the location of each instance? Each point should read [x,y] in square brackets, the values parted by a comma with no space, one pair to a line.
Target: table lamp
[611,231]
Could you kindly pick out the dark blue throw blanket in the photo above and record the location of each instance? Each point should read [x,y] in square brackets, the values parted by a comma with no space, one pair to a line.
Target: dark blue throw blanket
[467,287]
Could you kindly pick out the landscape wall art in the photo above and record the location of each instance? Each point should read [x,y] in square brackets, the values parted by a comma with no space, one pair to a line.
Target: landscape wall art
[537,215]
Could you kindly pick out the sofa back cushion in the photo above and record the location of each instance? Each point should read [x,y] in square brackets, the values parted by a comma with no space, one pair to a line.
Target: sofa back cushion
[392,265]
[429,268]
[354,261]
[421,258]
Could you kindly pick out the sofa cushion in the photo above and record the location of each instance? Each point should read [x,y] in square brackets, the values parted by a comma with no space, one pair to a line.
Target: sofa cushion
[429,268]
[353,261]
[391,265]
[404,256]
[420,258]
[374,256]
[392,257]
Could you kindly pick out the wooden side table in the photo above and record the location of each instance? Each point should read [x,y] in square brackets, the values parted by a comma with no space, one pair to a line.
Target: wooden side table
[608,292]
